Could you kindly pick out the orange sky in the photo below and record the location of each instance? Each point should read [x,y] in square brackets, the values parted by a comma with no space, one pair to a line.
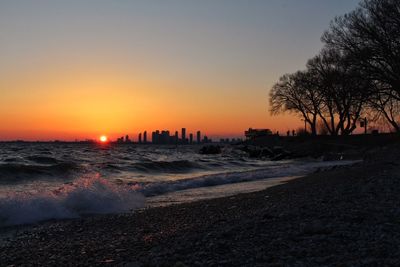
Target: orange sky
[78,69]
[56,104]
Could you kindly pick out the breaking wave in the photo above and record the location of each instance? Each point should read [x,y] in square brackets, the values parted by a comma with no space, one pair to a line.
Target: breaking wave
[85,196]
[177,166]
[298,169]
[15,172]
[95,195]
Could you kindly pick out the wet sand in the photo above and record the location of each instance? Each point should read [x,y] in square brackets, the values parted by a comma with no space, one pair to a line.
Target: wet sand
[345,216]
[211,192]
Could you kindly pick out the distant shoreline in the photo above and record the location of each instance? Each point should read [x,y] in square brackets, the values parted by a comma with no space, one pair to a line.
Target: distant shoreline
[259,140]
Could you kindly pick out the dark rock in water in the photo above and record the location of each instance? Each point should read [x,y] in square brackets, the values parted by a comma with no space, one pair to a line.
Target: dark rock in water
[211,149]
[278,150]
[281,156]
[245,148]
[256,152]
[266,152]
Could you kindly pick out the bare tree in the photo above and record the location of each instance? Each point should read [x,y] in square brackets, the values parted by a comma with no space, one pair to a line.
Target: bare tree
[383,104]
[294,93]
[370,36]
[342,89]
[330,89]
[357,70]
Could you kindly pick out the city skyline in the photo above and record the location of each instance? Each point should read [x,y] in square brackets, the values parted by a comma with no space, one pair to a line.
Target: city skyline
[156,137]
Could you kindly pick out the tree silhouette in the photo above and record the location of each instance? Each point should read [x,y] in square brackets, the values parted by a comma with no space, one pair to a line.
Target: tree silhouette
[370,36]
[342,90]
[294,93]
[357,70]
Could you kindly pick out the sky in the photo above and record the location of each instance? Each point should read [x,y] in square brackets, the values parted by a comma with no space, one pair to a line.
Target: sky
[76,69]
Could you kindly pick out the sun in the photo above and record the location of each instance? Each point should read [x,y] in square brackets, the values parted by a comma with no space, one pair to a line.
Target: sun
[103,139]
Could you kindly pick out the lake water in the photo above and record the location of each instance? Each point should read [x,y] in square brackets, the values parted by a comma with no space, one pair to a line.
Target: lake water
[40,181]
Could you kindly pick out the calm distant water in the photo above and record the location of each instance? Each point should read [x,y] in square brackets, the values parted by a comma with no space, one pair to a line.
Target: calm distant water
[41,181]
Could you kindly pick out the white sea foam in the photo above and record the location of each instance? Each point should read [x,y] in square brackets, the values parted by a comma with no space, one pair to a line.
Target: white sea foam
[286,170]
[85,196]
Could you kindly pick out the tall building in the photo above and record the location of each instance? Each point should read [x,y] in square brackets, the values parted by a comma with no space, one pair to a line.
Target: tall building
[164,137]
[156,137]
[198,137]
[176,137]
[183,135]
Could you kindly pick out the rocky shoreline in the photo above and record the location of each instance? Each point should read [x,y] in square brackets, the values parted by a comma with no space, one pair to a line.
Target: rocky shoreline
[345,216]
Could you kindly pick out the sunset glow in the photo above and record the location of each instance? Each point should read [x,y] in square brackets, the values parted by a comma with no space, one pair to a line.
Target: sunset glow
[103,139]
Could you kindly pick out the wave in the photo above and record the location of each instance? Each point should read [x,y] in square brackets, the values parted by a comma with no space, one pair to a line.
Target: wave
[43,159]
[14,172]
[177,166]
[295,169]
[94,195]
[84,196]
[10,159]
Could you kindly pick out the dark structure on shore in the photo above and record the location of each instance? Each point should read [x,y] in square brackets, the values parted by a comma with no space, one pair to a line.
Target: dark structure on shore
[252,134]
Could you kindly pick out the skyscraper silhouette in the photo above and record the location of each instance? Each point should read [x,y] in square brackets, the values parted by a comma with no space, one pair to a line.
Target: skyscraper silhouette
[183,135]
[145,137]
[198,137]
[176,137]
